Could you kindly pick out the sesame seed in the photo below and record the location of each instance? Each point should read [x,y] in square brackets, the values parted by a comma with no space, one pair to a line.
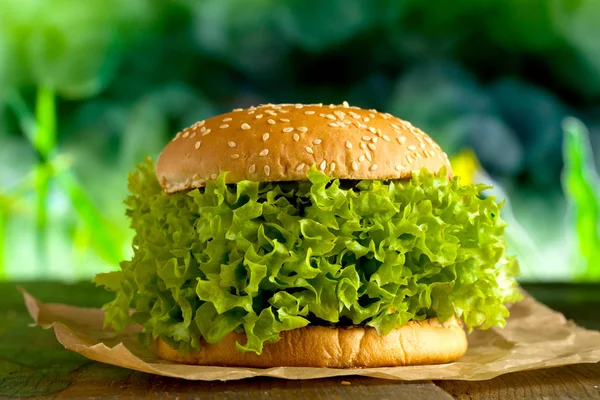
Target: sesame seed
[265,136]
[363,145]
[317,141]
[398,167]
[251,112]
[348,145]
[232,144]
[213,176]
[193,135]
[366,138]
[202,129]
[422,145]
[366,119]
[267,170]
[238,109]
[373,167]
[369,156]
[224,126]
[331,117]
[372,130]
[371,146]
[271,112]
[379,132]
[288,129]
[298,106]
[226,119]
[361,125]
[395,126]
[386,138]
[300,167]
[309,112]
[401,139]
[341,124]
[200,123]
[354,115]
[332,167]
[284,120]
[186,134]
[252,168]
[340,114]
[331,106]
[309,150]
[258,116]
[333,124]
[206,132]
[322,115]
[431,153]
[345,104]
[361,158]
[374,139]
[283,111]
[372,115]
[323,165]
[263,152]
[296,137]
[302,129]
[245,126]
[271,122]
[354,165]
[235,156]
[412,147]
[197,145]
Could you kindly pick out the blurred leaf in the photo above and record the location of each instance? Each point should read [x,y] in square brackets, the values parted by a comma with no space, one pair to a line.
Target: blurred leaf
[317,26]
[106,239]
[243,33]
[434,97]
[3,218]
[72,47]
[535,116]
[581,185]
[577,22]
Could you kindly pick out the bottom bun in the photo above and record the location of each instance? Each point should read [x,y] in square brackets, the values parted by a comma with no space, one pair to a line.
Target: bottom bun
[417,342]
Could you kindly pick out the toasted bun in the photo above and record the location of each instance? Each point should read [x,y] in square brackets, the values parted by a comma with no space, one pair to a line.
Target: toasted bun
[281,142]
[417,342]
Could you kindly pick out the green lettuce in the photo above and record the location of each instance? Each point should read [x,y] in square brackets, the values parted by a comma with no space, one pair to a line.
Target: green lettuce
[268,257]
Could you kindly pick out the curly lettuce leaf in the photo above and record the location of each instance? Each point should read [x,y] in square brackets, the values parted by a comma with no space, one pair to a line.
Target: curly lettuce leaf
[263,258]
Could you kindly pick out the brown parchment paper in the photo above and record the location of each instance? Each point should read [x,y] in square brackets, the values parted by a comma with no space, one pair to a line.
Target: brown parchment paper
[534,337]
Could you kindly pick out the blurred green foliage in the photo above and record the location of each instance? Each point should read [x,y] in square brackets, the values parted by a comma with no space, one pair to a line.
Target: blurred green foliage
[87,89]
[582,188]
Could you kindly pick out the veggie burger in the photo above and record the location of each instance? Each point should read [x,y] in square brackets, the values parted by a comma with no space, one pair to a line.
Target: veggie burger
[309,235]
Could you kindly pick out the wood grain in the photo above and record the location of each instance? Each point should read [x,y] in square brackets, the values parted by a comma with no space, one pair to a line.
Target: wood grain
[581,381]
[97,381]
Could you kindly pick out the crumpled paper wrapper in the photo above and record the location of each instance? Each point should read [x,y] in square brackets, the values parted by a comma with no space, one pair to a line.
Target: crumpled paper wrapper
[534,337]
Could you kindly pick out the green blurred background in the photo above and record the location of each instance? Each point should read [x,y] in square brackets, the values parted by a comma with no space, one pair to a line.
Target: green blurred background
[88,88]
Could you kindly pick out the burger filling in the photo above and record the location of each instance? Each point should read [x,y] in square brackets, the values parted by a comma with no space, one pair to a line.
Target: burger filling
[262,258]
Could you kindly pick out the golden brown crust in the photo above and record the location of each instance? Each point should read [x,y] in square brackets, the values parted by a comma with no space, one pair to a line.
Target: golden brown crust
[417,342]
[281,142]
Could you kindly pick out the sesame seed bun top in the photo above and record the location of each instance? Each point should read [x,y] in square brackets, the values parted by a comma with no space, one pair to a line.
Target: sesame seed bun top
[280,142]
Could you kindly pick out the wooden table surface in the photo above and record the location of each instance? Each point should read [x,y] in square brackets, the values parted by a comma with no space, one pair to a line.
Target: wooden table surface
[33,364]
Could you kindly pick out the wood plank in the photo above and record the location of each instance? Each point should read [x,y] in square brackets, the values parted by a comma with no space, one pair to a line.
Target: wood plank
[103,381]
[581,381]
